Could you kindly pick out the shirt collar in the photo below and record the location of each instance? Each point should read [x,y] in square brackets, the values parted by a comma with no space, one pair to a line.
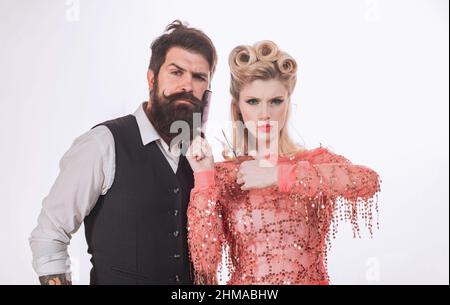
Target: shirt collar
[148,131]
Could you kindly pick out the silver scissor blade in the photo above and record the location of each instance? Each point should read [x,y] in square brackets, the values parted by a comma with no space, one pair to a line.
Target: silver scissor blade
[229,145]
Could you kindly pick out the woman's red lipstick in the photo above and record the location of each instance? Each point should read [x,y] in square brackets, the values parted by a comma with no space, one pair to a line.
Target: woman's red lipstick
[265,128]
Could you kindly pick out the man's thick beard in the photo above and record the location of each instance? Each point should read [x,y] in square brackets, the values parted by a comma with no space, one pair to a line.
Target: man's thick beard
[165,110]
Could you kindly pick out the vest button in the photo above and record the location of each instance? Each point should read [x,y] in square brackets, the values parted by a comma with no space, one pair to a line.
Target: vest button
[175,213]
[176,233]
[177,278]
[176,190]
[177,256]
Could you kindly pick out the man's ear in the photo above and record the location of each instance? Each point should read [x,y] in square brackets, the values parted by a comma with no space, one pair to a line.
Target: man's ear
[150,79]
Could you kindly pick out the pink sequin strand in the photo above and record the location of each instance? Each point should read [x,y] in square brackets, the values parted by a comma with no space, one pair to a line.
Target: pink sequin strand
[280,234]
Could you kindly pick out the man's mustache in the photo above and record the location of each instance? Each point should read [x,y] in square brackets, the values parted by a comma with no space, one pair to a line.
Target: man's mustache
[187,96]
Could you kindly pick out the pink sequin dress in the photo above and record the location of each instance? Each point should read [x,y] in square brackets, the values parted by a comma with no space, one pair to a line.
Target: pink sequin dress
[280,234]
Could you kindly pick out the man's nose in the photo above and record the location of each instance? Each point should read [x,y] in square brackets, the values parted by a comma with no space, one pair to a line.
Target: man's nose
[186,84]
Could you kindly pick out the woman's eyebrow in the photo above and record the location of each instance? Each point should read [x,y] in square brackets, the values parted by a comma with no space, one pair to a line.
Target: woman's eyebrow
[256,98]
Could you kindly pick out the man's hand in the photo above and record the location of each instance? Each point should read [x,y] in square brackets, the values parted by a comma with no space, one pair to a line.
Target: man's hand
[55,279]
[255,174]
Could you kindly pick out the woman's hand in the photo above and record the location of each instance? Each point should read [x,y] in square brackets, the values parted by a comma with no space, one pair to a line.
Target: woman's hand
[199,155]
[256,174]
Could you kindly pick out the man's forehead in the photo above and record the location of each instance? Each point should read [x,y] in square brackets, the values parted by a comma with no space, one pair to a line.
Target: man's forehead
[187,60]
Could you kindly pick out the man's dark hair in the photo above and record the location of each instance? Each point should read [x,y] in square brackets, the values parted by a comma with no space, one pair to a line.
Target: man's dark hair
[180,35]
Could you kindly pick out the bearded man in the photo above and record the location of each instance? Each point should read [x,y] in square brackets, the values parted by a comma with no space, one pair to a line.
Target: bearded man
[127,181]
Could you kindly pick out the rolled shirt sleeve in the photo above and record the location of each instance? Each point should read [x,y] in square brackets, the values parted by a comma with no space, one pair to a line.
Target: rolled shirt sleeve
[86,172]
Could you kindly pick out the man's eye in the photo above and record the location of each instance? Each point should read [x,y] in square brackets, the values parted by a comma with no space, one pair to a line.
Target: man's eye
[252,101]
[277,101]
[201,78]
[176,73]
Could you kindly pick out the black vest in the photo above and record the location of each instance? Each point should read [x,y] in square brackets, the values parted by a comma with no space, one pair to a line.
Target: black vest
[137,231]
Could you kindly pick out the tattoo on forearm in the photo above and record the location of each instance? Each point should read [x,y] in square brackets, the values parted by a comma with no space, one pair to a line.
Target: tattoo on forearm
[55,279]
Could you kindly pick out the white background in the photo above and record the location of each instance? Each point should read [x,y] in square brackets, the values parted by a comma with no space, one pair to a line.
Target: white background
[373,86]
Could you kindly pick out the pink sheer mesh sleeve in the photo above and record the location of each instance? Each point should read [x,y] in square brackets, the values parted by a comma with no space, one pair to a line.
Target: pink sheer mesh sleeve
[337,184]
[205,228]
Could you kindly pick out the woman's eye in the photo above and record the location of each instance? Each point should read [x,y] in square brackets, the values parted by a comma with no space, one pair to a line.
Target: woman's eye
[277,101]
[252,101]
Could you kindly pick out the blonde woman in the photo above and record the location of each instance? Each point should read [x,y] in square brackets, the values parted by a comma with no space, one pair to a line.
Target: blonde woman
[270,208]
